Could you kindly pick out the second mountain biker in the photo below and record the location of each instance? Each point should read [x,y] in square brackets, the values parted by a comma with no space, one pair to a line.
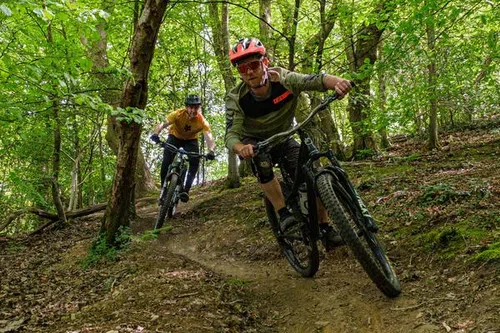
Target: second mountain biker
[184,126]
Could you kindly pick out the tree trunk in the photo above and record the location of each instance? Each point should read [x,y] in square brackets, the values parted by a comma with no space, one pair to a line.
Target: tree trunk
[134,95]
[75,196]
[382,99]
[56,154]
[364,49]
[433,121]
[98,54]
[293,36]
[485,68]
[75,182]
[329,136]
[220,36]
[56,158]
[264,29]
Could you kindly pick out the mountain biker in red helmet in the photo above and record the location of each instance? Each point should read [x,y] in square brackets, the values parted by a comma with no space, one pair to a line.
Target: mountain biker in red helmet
[184,126]
[264,104]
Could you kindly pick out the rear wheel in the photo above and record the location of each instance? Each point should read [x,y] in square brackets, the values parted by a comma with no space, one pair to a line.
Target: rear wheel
[362,242]
[298,246]
[168,204]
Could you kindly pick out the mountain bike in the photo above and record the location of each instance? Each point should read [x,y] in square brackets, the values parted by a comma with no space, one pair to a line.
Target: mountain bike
[345,208]
[173,184]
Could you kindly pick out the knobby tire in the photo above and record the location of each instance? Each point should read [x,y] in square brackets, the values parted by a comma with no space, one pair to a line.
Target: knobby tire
[371,257]
[168,204]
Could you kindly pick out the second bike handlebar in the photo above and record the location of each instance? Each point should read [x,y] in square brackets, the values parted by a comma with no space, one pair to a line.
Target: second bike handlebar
[174,149]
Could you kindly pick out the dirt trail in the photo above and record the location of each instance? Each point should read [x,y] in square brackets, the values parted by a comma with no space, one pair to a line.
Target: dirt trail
[340,298]
[447,213]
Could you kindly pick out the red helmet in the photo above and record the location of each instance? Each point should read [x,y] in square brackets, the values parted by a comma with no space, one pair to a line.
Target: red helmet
[246,47]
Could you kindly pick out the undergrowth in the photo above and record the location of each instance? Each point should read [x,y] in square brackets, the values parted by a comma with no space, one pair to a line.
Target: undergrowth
[100,252]
[491,253]
[153,234]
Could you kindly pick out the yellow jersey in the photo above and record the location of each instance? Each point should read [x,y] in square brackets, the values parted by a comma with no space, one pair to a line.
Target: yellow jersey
[184,128]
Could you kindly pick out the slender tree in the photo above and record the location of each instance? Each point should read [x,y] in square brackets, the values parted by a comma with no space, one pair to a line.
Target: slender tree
[382,100]
[327,135]
[266,34]
[362,54]
[99,55]
[291,21]
[220,37]
[430,30]
[134,98]
[56,155]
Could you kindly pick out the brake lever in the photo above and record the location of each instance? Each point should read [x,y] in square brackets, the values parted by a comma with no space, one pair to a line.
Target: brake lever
[260,147]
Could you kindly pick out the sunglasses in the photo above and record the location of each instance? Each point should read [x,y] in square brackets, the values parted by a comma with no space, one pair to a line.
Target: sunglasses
[253,65]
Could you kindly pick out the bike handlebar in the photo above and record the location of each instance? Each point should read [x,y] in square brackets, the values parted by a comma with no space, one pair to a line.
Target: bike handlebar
[181,150]
[273,140]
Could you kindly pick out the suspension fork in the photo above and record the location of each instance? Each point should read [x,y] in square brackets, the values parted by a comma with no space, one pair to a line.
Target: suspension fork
[183,175]
[309,154]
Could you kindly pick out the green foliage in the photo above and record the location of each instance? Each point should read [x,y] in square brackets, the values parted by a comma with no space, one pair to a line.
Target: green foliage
[153,234]
[364,154]
[15,247]
[129,114]
[237,282]
[101,253]
[440,194]
[445,241]
[491,253]
[413,157]
[41,71]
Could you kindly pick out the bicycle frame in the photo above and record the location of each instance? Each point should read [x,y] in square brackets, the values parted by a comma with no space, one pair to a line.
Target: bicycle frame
[178,165]
[305,172]
[173,184]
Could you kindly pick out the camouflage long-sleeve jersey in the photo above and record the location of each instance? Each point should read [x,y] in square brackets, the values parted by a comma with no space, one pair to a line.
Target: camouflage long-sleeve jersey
[260,119]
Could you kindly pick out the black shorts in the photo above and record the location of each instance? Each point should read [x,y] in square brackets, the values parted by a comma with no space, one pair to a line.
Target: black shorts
[285,154]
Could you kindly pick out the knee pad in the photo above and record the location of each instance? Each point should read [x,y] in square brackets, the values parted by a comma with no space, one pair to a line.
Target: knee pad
[262,167]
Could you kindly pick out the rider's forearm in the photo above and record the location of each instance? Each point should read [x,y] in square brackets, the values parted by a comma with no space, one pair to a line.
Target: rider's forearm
[209,139]
[159,128]
[330,81]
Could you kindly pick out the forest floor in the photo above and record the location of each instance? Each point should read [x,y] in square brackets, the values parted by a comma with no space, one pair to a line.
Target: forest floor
[219,269]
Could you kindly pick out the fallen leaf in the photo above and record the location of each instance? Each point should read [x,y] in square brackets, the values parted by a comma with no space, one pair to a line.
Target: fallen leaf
[465,324]
[321,323]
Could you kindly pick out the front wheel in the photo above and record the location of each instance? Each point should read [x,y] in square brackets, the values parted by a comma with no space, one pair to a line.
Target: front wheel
[299,247]
[362,242]
[168,204]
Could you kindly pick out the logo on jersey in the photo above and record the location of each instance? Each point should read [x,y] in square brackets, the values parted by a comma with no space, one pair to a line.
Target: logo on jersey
[187,128]
[281,97]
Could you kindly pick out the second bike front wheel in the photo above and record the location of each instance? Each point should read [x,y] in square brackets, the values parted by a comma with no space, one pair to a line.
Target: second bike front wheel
[362,242]
[167,205]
